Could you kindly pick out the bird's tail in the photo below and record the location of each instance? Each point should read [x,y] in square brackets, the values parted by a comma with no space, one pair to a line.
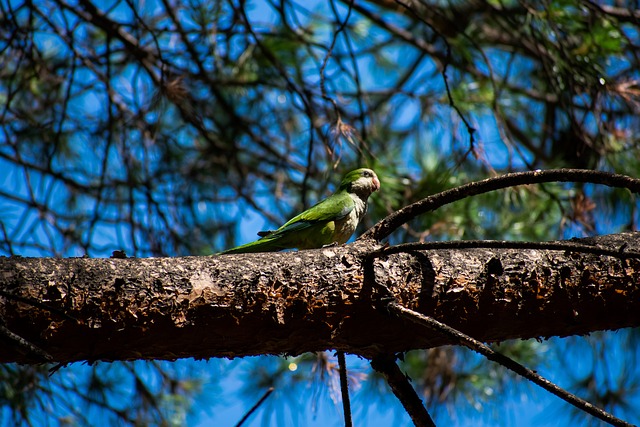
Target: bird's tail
[265,244]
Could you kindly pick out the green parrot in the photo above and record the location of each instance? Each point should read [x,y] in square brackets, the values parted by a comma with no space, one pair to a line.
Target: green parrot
[333,220]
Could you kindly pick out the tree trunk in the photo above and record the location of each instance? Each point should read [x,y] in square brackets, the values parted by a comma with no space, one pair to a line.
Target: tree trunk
[290,303]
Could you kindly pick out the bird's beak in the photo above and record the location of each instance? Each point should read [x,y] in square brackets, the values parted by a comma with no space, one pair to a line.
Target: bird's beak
[376,183]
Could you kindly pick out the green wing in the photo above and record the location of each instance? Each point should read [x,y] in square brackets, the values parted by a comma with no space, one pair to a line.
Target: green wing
[311,228]
[333,208]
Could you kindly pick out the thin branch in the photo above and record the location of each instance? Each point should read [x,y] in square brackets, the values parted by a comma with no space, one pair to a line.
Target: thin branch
[505,361]
[389,224]
[344,389]
[93,15]
[255,407]
[470,129]
[325,61]
[503,244]
[620,13]
[386,365]
[271,57]
[28,346]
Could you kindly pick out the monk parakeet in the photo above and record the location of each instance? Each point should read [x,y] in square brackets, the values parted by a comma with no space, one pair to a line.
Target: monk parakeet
[333,220]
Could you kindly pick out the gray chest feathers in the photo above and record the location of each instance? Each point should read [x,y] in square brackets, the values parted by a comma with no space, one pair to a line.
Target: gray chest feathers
[347,225]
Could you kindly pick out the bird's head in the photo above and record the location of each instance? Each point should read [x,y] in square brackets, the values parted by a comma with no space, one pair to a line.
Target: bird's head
[362,182]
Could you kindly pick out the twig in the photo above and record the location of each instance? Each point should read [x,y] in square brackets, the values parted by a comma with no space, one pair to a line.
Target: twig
[31,348]
[256,406]
[470,129]
[502,244]
[328,55]
[505,361]
[386,365]
[389,224]
[344,389]
[269,55]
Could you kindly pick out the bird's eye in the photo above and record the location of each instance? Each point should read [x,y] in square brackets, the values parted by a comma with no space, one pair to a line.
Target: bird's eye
[367,174]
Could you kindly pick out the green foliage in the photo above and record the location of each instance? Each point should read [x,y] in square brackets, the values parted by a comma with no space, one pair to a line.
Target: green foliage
[140,393]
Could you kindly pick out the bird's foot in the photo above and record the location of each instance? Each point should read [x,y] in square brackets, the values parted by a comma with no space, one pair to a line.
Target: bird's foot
[331,245]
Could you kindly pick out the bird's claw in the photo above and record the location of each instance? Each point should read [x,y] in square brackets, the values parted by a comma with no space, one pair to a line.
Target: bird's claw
[331,245]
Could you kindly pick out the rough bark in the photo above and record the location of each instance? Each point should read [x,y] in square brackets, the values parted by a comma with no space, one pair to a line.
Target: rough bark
[289,303]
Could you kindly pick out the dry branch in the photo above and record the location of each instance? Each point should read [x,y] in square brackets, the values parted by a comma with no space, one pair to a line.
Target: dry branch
[290,303]
[386,365]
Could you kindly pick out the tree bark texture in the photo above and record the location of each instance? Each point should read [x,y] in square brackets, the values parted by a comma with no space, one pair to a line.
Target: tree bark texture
[290,303]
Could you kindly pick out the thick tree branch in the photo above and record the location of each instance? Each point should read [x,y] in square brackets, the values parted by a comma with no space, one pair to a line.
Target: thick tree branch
[296,302]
